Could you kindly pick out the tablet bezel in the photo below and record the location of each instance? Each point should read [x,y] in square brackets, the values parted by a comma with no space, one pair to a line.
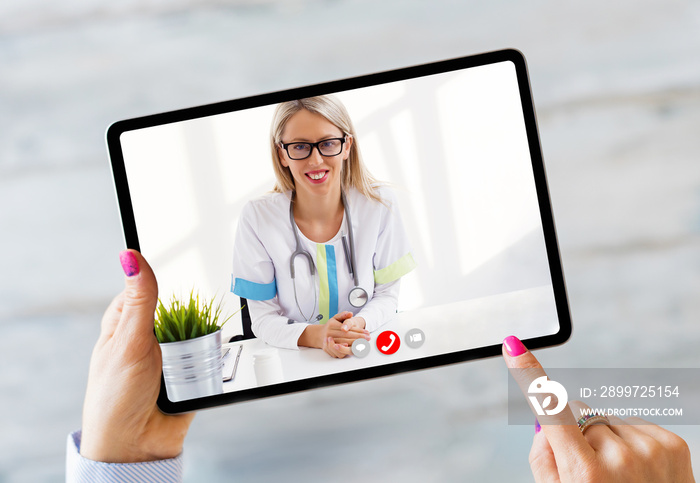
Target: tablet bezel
[554,260]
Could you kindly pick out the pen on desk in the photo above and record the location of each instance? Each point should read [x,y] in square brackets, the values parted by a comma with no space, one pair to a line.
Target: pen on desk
[238,357]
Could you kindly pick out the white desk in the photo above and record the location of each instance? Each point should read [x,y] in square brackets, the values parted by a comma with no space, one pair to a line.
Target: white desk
[448,328]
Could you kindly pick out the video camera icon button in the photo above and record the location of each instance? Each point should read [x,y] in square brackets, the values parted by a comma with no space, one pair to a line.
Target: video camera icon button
[388,342]
[360,348]
[414,338]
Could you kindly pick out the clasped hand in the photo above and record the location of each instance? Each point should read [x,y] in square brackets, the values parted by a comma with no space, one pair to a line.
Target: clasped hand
[340,332]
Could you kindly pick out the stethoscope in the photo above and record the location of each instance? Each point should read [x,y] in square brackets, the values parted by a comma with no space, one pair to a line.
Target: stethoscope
[358,296]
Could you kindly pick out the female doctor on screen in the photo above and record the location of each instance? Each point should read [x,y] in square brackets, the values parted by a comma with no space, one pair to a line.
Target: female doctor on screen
[319,258]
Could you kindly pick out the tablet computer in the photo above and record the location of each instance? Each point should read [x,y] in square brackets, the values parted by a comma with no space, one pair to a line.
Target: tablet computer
[413,200]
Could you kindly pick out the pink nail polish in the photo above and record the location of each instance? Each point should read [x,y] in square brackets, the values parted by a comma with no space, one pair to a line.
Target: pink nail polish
[538,428]
[129,263]
[514,347]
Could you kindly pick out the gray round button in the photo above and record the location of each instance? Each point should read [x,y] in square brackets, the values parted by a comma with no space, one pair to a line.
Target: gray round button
[360,348]
[414,338]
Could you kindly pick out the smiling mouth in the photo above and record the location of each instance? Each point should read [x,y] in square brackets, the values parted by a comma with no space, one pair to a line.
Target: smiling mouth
[317,175]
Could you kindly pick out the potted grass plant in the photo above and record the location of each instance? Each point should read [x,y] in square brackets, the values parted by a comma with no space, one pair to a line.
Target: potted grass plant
[189,334]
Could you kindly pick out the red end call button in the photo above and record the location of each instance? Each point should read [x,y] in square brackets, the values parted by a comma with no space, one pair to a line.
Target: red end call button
[388,342]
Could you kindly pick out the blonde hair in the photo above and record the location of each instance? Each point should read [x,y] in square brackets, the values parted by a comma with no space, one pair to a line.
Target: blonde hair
[354,172]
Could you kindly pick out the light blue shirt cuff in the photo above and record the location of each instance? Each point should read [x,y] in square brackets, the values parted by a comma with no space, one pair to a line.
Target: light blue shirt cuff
[83,470]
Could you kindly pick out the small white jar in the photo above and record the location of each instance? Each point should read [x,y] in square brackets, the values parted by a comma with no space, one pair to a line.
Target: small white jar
[268,367]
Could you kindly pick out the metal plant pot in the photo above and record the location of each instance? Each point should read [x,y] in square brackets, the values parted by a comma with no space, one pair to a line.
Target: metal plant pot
[192,368]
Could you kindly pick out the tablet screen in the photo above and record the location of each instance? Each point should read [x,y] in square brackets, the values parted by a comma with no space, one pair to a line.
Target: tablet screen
[441,244]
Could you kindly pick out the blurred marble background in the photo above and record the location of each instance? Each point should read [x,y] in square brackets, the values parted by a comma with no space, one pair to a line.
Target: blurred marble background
[617,92]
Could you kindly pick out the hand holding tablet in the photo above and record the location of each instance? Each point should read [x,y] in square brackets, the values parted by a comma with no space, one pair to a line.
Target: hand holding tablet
[614,450]
[121,421]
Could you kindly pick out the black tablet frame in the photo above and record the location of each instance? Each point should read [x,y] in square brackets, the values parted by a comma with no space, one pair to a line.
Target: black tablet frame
[562,305]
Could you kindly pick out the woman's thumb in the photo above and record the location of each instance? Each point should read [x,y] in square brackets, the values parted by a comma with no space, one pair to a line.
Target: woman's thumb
[140,293]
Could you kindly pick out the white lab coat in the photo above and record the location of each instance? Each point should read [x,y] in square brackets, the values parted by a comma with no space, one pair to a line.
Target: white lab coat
[261,266]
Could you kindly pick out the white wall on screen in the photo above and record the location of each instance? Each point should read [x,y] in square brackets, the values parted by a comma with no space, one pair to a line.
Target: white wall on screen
[453,146]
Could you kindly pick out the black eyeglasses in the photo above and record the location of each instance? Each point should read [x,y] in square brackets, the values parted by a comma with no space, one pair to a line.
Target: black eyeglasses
[327,147]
